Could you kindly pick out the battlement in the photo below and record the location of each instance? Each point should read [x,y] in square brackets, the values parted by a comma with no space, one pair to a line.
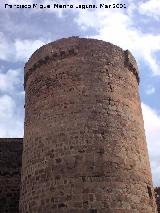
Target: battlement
[75,46]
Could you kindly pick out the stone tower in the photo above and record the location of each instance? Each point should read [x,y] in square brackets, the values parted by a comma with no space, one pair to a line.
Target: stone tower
[84,142]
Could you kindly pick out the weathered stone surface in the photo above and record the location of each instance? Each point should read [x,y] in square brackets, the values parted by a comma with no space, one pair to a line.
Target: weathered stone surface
[84,145]
[157,194]
[10,166]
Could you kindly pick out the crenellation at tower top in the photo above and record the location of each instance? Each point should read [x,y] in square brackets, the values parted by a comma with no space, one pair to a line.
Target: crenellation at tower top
[67,47]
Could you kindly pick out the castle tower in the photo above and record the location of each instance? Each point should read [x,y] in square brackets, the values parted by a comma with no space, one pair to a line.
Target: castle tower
[84,142]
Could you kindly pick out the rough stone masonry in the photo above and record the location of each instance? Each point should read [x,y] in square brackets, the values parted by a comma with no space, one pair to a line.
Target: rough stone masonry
[84,143]
[157,195]
[10,166]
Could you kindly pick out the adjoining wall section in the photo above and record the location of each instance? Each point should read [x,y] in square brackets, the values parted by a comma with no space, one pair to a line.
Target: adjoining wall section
[157,195]
[10,166]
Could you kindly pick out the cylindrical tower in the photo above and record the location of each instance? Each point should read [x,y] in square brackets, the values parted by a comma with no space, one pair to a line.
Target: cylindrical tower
[84,142]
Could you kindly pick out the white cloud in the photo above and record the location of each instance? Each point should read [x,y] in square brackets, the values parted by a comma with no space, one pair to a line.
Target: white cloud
[10,80]
[10,124]
[150,8]
[152,128]
[4,47]
[17,50]
[11,111]
[7,106]
[24,48]
[119,28]
[150,90]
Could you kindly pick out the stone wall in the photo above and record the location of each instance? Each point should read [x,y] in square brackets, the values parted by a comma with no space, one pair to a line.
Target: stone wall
[157,194]
[84,143]
[10,166]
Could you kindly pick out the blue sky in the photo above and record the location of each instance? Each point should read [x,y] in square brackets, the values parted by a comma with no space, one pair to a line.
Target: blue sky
[137,28]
